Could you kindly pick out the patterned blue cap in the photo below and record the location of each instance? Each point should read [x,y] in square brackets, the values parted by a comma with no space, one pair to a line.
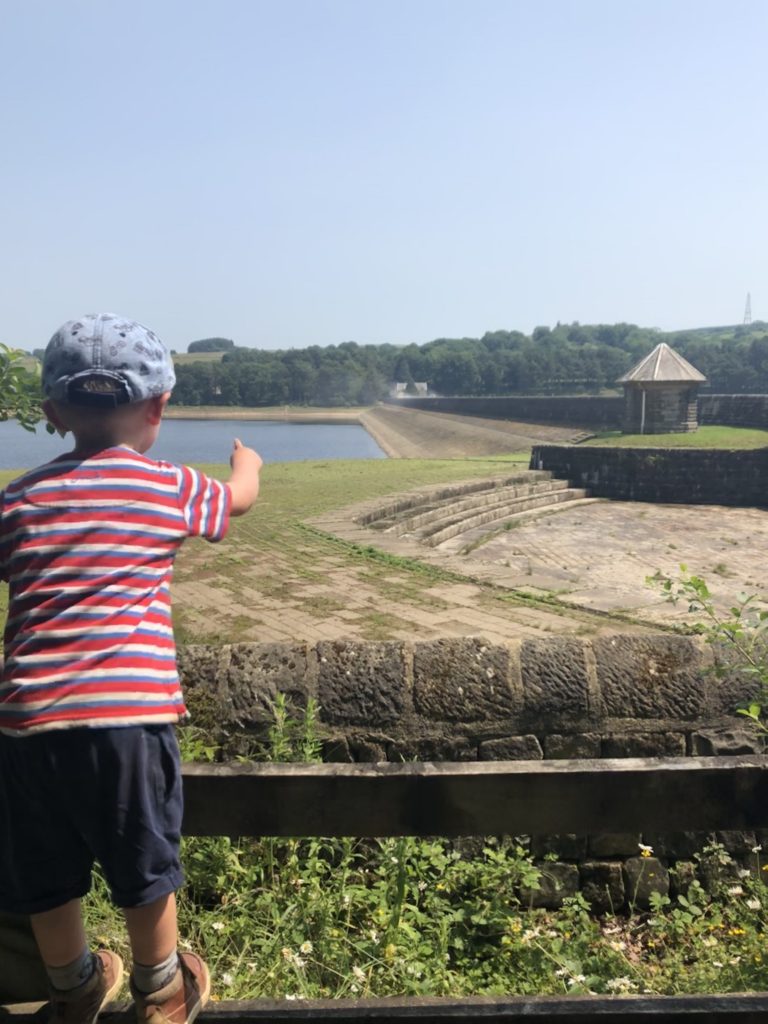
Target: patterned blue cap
[103,360]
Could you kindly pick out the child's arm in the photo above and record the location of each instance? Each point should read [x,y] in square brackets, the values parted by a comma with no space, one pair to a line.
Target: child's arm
[244,481]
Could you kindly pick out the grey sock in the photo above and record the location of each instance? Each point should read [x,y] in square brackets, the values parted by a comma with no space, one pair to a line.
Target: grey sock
[152,979]
[65,978]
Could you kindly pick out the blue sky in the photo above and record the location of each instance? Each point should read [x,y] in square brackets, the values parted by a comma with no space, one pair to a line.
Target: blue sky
[317,171]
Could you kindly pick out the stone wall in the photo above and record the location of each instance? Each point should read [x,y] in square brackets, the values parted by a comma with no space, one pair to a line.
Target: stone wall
[692,476]
[585,411]
[734,410]
[464,699]
[591,411]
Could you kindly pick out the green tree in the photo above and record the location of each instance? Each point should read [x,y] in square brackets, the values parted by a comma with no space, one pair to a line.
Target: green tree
[211,345]
[19,389]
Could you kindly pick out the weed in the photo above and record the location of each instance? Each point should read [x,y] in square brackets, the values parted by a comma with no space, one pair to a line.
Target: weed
[737,636]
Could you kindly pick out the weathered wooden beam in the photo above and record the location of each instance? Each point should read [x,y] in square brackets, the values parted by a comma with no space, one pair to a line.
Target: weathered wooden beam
[477,798]
[747,1008]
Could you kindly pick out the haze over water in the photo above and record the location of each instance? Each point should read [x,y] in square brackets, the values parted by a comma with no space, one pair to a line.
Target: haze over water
[193,441]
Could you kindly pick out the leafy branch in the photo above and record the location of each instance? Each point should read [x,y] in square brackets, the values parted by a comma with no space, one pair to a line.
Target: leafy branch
[19,389]
[740,630]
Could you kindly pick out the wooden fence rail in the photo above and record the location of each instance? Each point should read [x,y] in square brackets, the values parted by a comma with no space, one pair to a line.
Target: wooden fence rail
[478,798]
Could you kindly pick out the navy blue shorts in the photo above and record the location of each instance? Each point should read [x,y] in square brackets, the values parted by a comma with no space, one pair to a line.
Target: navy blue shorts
[75,796]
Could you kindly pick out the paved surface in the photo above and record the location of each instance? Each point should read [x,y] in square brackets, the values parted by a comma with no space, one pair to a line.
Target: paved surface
[597,556]
[355,599]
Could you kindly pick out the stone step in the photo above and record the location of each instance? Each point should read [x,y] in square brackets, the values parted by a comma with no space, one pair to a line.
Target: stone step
[471,539]
[383,515]
[496,514]
[446,512]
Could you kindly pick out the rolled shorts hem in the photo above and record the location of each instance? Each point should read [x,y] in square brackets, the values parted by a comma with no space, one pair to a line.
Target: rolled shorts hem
[160,887]
[46,903]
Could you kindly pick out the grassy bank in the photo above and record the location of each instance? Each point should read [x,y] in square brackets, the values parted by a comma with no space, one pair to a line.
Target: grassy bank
[287,413]
[704,437]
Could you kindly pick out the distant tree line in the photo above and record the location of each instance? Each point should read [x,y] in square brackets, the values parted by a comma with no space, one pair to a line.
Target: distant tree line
[211,345]
[565,359]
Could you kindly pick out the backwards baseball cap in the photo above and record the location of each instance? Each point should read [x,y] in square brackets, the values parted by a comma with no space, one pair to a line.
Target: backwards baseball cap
[102,360]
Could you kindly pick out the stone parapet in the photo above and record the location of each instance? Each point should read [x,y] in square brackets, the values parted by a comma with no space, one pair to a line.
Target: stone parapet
[622,695]
[690,476]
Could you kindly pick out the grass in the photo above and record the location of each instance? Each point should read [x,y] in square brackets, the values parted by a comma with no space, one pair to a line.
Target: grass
[704,437]
[292,413]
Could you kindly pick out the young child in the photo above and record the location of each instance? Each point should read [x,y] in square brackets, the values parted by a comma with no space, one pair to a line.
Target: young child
[89,764]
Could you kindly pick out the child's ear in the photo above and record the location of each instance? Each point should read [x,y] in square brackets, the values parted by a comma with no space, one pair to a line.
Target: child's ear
[156,407]
[54,423]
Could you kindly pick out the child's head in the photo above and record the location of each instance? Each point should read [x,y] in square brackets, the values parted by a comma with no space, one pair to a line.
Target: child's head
[107,379]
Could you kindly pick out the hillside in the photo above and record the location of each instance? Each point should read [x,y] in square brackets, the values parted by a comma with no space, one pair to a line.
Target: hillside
[565,359]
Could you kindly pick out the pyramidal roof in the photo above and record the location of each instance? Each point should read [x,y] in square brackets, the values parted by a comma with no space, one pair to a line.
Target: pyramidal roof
[663,364]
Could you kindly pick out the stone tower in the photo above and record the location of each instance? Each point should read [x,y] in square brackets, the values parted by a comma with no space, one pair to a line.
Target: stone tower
[661,394]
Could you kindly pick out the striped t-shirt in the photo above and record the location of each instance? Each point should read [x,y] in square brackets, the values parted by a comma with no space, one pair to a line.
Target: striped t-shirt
[87,547]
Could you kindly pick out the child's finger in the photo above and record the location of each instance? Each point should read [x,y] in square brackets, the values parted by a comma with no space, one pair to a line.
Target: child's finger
[238,443]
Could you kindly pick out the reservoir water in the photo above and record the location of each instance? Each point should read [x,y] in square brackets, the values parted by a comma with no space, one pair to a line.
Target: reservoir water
[209,441]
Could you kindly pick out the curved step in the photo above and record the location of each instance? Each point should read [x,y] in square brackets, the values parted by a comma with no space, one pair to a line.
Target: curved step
[470,540]
[384,516]
[427,519]
[505,510]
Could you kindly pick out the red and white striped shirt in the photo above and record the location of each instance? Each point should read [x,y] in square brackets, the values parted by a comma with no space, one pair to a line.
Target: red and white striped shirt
[87,547]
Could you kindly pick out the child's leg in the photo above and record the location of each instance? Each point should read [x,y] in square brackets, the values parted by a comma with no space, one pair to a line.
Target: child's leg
[152,931]
[81,982]
[167,988]
[60,934]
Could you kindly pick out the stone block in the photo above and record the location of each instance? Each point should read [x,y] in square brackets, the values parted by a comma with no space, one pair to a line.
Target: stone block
[737,842]
[602,885]
[715,872]
[555,680]
[676,845]
[468,847]
[201,666]
[681,877]
[731,687]
[435,748]
[647,744]
[367,751]
[556,881]
[614,844]
[727,741]
[361,683]
[462,680]
[580,745]
[256,673]
[511,748]
[201,669]
[565,847]
[642,877]
[650,677]
[336,750]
